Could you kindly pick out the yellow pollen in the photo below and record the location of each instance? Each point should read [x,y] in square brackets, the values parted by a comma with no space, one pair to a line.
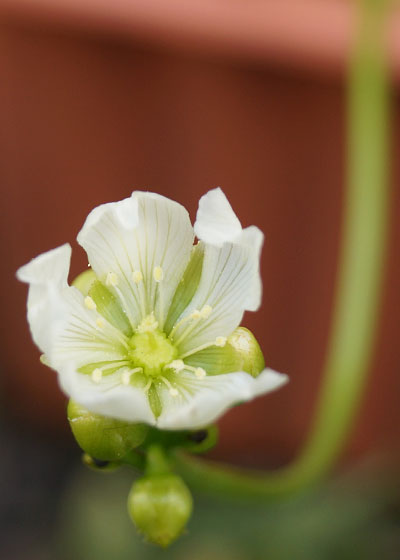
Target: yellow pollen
[89,302]
[220,341]
[200,372]
[173,392]
[148,324]
[206,311]
[137,276]
[97,375]
[158,274]
[111,279]
[196,314]
[100,323]
[177,365]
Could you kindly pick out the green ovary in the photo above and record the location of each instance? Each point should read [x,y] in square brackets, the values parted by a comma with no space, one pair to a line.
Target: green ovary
[151,351]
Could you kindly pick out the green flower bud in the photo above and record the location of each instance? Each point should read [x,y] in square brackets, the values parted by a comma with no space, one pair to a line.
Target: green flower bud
[249,355]
[84,281]
[105,439]
[160,506]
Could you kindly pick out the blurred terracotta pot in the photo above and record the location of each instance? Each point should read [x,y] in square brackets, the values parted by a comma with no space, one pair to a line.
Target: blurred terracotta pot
[98,99]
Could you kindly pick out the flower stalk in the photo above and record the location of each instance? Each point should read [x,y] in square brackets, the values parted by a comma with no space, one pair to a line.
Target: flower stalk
[359,282]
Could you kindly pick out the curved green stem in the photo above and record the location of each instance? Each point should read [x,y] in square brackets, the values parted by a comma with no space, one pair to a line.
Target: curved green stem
[358,285]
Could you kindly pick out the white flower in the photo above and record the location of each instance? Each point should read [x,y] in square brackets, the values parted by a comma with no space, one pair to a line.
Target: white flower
[142,343]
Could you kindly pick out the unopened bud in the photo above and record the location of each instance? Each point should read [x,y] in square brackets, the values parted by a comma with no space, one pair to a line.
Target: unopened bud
[106,439]
[249,355]
[84,281]
[160,506]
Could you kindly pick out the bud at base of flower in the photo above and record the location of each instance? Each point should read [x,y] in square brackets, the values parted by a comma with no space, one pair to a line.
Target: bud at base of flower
[160,506]
[84,280]
[106,439]
[249,355]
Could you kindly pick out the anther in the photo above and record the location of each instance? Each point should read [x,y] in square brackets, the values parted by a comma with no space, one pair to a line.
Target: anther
[172,390]
[97,375]
[137,276]
[206,311]
[196,314]
[111,279]
[100,323]
[200,372]
[177,365]
[220,341]
[89,302]
[158,274]
[148,324]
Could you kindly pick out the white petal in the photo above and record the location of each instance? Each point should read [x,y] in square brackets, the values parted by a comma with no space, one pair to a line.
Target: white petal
[216,222]
[140,233]
[66,331]
[203,400]
[80,340]
[230,283]
[254,239]
[108,398]
[47,276]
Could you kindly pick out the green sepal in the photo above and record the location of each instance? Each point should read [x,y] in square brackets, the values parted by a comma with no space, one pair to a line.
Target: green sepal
[84,280]
[154,400]
[160,507]
[108,306]
[103,438]
[186,288]
[240,353]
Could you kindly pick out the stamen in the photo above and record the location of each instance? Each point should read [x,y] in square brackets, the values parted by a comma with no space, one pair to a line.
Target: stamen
[200,372]
[158,274]
[137,276]
[111,279]
[97,375]
[172,390]
[148,324]
[148,385]
[126,376]
[206,311]
[181,322]
[196,314]
[220,341]
[89,302]
[177,365]
[100,322]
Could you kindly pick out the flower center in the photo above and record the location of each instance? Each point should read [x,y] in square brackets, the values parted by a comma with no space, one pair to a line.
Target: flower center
[151,350]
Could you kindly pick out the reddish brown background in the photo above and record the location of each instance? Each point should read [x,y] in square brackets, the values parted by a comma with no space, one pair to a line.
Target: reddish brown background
[96,101]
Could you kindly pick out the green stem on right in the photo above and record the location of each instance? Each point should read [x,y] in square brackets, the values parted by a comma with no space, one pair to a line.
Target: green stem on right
[358,286]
